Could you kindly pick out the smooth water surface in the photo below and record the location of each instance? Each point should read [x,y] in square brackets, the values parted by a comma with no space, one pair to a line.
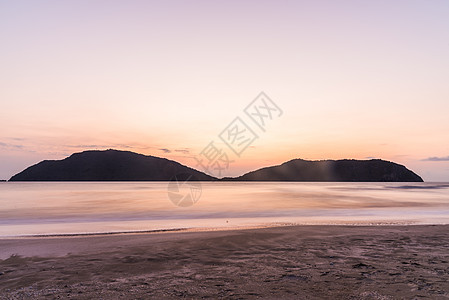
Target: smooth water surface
[90,207]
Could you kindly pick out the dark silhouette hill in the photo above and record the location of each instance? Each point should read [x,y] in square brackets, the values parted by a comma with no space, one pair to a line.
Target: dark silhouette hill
[108,165]
[114,165]
[374,170]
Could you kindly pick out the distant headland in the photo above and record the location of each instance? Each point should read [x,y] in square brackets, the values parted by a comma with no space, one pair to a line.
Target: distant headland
[115,165]
[346,170]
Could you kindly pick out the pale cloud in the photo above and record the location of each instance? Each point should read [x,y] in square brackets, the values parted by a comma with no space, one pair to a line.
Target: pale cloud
[434,158]
[10,146]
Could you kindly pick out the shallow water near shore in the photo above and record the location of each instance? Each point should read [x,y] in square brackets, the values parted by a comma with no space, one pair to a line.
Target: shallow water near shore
[48,208]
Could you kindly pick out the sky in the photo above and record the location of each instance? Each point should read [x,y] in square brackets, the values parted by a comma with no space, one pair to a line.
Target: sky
[353,79]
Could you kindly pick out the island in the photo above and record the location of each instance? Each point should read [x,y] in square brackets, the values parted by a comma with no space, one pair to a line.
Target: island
[109,165]
[374,170]
[116,165]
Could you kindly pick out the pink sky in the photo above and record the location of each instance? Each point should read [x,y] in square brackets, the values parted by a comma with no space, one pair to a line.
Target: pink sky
[355,79]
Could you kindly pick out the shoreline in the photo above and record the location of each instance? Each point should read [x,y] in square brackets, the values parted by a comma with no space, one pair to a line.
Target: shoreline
[224,228]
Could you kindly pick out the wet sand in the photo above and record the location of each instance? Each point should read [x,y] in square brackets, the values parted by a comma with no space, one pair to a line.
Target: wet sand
[294,262]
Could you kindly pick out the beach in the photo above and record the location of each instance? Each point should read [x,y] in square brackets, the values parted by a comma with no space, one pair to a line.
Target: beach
[224,150]
[288,262]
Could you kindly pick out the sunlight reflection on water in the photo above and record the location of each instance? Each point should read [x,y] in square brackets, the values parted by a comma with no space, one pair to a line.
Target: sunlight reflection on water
[79,207]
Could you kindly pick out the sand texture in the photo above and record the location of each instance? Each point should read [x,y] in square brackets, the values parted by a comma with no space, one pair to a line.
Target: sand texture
[297,262]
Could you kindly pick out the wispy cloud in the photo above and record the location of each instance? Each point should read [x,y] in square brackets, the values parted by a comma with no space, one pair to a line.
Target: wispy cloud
[108,146]
[85,146]
[444,158]
[9,146]
[125,146]
[165,150]
[183,151]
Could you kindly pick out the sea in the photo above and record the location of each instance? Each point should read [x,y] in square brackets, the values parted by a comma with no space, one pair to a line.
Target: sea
[83,208]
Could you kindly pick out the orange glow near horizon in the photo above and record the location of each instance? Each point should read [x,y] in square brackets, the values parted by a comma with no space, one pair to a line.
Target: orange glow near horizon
[164,79]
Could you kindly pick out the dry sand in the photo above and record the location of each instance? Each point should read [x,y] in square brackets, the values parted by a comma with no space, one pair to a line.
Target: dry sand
[297,262]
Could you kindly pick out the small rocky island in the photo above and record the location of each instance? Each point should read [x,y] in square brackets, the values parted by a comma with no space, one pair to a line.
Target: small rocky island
[115,165]
[375,170]
[108,165]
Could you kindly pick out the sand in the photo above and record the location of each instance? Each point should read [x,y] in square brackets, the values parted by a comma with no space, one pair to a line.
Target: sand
[294,262]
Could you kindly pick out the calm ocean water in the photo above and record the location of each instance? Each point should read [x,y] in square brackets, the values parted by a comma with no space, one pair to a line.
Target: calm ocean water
[69,208]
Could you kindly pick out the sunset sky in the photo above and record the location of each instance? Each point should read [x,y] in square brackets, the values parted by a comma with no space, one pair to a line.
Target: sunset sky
[354,79]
